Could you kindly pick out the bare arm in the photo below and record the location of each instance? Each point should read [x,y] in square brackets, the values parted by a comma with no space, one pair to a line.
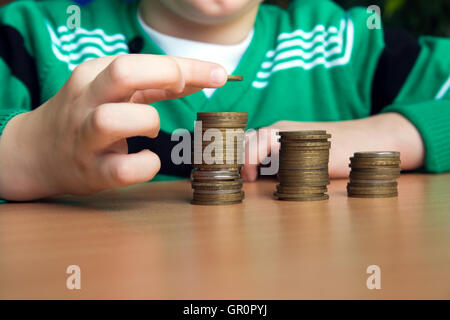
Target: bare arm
[75,143]
[389,131]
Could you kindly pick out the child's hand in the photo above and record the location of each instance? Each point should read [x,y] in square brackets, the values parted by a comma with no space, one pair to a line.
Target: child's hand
[384,132]
[76,142]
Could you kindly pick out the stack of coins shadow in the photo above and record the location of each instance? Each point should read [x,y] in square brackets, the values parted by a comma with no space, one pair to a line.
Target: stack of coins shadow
[218,158]
[374,174]
[303,171]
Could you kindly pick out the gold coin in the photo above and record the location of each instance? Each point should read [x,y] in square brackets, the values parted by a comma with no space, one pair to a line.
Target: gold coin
[204,166]
[215,115]
[390,195]
[219,197]
[234,78]
[371,190]
[215,175]
[295,197]
[373,184]
[227,184]
[215,203]
[216,191]
[301,133]
[301,190]
[377,154]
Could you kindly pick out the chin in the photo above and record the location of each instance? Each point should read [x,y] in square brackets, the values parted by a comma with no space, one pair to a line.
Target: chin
[210,11]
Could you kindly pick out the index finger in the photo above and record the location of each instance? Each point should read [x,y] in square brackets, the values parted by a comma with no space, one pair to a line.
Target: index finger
[128,73]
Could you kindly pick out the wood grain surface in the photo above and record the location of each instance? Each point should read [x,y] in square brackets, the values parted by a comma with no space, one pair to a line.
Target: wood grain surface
[149,242]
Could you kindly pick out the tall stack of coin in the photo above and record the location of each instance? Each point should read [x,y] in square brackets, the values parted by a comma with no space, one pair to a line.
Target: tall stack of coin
[218,158]
[303,171]
[374,174]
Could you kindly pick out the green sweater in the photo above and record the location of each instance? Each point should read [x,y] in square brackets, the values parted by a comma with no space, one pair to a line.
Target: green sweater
[312,62]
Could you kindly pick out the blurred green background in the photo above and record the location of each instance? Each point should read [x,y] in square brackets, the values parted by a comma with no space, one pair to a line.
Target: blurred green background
[421,17]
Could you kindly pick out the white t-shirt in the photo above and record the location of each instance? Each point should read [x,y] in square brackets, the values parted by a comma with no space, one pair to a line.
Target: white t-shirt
[226,55]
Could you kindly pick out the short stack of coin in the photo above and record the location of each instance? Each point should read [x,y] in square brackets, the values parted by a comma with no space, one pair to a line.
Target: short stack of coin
[374,174]
[303,171]
[216,177]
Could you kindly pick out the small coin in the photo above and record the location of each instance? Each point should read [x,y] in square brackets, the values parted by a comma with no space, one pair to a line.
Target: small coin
[207,121]
[302,160]
[287,166]
[215,168]
[303,178]
[214,203]
[374,160]
[223,126]
[301,190]
[219,197]
[298,177]
[312,137]
[223,142]
[390,195]
[300,181]
[371,190]
[374,164]
[374,183]
[301,133]
[303,172]
[218,115]
[300,149]
[306,144]
[295,197]
[317,138]
[303,164]
[215,175]
[230,184]
[232,77]
[377,154]
[225,132]
[378,170]
[372,178]
[304,183]
[217,154]
[305,153]
[204,166]
[216,191]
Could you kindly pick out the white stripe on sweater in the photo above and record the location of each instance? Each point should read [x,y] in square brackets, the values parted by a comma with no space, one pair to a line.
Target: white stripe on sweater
[443,90]
[347,24]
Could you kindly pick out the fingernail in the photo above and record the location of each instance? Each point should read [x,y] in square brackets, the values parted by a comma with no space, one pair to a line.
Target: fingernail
[218,75]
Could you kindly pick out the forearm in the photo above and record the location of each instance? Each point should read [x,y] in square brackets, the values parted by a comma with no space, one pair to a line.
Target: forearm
[21,176]
[389,131]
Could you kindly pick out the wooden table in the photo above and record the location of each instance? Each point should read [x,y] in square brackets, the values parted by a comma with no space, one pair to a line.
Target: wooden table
[148,241]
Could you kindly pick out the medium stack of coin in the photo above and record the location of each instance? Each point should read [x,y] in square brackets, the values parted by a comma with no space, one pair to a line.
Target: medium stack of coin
[218,158]
[303,171]
[374,174]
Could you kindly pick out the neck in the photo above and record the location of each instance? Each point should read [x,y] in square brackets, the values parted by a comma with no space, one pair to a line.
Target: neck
[159,17]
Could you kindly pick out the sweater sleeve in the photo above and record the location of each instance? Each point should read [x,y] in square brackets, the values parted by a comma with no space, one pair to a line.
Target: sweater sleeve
[397,72]
[14,95]
[19,84]
[19,80]
[424,99]
[432,120]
